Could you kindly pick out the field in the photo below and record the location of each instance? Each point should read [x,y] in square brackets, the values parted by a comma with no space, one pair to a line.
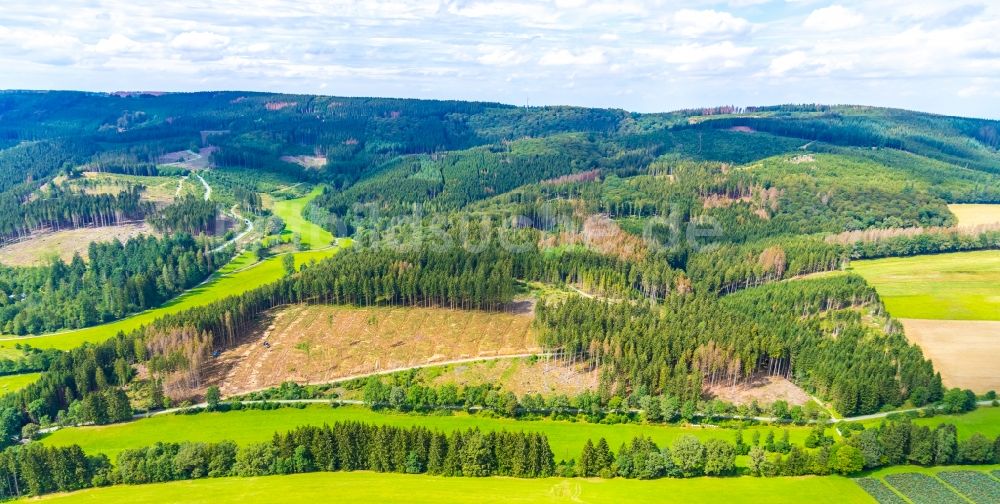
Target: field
[946,303]
[973,215]
[291,212]
[318,344]
[966,352]
[933,485]
[237,277]
[521,376]
[959,286]
[160,190]
[13,383]
[567,438]
[984,420]
[349,487]
[36,250]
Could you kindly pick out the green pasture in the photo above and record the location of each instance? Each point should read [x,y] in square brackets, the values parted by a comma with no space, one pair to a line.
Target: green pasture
[984,420]
[246,426]
[291,212]
[13,383]
[958,286]
[365,487]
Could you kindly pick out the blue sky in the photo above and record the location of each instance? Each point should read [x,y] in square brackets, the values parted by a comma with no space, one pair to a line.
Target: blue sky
[938,56]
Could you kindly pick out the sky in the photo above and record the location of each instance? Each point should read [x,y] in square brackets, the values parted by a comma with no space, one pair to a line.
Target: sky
[646,56]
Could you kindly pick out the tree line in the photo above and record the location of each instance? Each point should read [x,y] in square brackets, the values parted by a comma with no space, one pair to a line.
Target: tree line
[35,469]
[67,209]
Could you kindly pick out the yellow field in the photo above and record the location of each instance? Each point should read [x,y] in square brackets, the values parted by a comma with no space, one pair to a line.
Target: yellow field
[966,352]
[972,215]
[63,244]
[318,344]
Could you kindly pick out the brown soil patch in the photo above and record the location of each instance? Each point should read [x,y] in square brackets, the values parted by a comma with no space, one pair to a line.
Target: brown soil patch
[522,376]
[278,105]
[319,344]
[586,176]
[311,162]
[742,129]
[36,249]
[966,352]
[803,158]
[603,235]
[765,389]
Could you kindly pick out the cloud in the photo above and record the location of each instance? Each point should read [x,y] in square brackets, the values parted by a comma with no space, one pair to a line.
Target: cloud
[199,41]
[500,56]
[558,57]
[701,23]
[116,44]
[785,63]
[833,18]
[705,51]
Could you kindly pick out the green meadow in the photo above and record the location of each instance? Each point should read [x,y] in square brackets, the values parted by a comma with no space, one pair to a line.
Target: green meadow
[291,212]
[240,275]
[365,487]
[984,420]
[246,426]
[13,383]
[958,286]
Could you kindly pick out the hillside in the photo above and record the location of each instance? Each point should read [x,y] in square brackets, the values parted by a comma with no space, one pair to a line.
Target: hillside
[488,290]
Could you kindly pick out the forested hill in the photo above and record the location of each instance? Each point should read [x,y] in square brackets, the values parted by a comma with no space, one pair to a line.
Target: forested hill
[44,132]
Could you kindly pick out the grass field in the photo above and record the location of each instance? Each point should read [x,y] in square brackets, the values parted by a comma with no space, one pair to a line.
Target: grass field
[319,344]
[959,286]
[972,215]
[567,438]
[365,487]
[984,420]
[291,212]
[13,383]
[235,278]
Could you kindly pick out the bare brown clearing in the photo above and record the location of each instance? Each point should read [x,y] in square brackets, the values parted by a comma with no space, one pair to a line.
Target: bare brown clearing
[545,376]
[38,247]
[965,352]
[319,344]
[764,389]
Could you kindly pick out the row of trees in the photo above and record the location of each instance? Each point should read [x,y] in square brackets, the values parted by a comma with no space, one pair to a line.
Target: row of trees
[34,469]
[68,209]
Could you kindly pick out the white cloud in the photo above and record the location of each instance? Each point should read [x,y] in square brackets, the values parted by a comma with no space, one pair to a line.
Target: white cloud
[565,57]
[701,23]
[500,56]
[725,54]
[833,18]
[787,62]
[116,44]
[706,51]
[199,41]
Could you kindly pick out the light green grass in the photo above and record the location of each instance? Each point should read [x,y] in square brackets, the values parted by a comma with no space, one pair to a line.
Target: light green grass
[236,277]
[291,212]
[984,420]
[566,438]
[959,286]
[13,383]
[930,471]
[366,487]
